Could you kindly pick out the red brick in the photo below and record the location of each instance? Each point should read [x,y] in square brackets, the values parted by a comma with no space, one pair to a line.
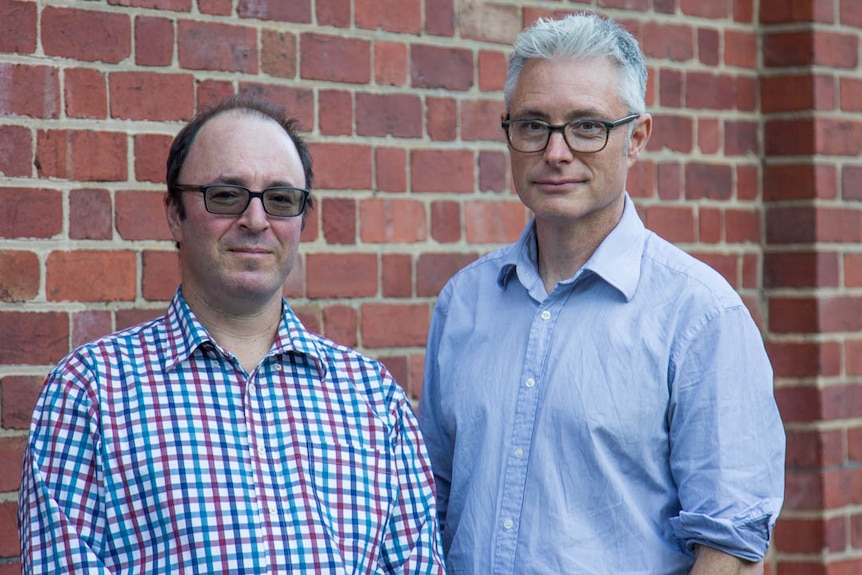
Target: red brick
[394,325]
[154,41]
[30,213]
[19,276]
[9,542]
[299,102]
[751,267]
[342,166]
[86,93]
[853,270]
[709,91]
[433,270]
[297,11]
[800,535]
[18,27]
[335,112]
[216,46]
[669,181]
[709,225]
[216,7]
[440,17]
[90,276]
[842,487]
[390,168]
[398,115]
[835,137]
[17,157]
[441,67]
[708,135]
[403,16]
[741,138]
[674,223]
[812,449]
[210,92]
[800,269]
[851,13]
[397,275]
[674,133]
[333,13]
[152,96]
[341,323]
[480,120]
[841,314]
[839,225]
[278,53]
[339,221]
[82,155]
[446,221]
[850,90]
[787,225]
[160,275]
[708,46]
[492,172]
[743,226]
[132,317]
[853,355]
[492,71]
[743,11]
[86,35]
[390,63]
[11,449]
[90,325]
[33,338]
[151,152]
[29,91]
[725,264]
[789,11]
[799,181]
[442,171]
[797,49]
[639,182]
[442,119]
[174,5]
[854,443]
[141,215]
[798,567]
[668,41]
[740,48]
[392,221]
[18,394]
[793,315]
[399,368]
[803,490]
[708,181]
[90,215]
[670,88]
[488,222]
[341,275]
[335,59]
[797,92]
[489,22]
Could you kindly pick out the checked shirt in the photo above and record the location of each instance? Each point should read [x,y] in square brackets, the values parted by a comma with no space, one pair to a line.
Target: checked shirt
[153,451]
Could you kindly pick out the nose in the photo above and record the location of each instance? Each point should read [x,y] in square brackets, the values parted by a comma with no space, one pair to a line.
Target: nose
[254,217]
[557,149]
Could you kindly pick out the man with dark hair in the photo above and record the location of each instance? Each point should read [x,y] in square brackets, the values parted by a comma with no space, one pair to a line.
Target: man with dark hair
[224,437]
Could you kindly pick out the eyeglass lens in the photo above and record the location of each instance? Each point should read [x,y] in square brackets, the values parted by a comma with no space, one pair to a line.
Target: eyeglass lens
[233,200]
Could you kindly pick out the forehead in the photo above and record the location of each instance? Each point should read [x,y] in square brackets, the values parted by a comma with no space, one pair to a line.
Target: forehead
[569,87]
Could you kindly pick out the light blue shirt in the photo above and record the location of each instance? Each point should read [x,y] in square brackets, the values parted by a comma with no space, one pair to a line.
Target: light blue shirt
[606,427]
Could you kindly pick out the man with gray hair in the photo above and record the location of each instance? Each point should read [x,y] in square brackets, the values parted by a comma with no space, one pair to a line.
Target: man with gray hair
[595,399]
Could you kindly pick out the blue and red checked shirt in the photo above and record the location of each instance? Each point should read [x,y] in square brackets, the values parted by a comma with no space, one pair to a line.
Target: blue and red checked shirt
[153,451]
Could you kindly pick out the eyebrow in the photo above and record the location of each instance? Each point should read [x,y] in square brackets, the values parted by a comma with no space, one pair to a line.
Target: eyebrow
[238,181]
[579,114]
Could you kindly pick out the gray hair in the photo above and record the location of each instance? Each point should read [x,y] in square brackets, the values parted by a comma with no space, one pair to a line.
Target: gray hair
[582,36]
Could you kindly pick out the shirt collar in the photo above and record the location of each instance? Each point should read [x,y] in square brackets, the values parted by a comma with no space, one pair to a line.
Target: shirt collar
[616,260]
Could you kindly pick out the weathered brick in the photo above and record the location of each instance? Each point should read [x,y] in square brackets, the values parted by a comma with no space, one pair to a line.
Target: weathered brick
[709,225]
[798,92]
[151,152]
[853,270]
[17,157]
[709,91]
[297,11]
[174,5]
[140,215]
[90,276]
[397,275]
[793,315]
[433,270]
[18,394]
[800,535]
[33,338]
[217,46]
[442,171]
[339,221]
[278,53]
[798,182]
[390,63]
[90,214]
[708,52]
[480,120]
[340,324]
[741,48]
[743,226]
[19,275]
[492,172]
[342,166]
[709,135]
[394,325]
[392,221]
[160,275]
[154,41]
[86,35]
[8,533]
[674,223]
[152,96]
[11,449]
[89,325]
[446,221]
[335,112]
[669,181]
[493,222]
[741,138]
[709,181]
[210,92]
[840,314]
[390,169]
[333,13]
[492,71]
[838,137]
[29,91]
[797,49]
[403,16]
[725,264]
[399,368]
[853,353]
[438,67]
[132,317]
[672,42]
[335,59]
[800,269]
[850,90]
[803,359]
[489,22]
[18,27]
[674,133]
[216,7]
[440,17]
[442,119]
[790,137]
[299,102]
[790,11]
[86,93]
[341,275]
[398,115]
[30,213]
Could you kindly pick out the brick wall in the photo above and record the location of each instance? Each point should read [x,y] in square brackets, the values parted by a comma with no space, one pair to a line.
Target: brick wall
[754,166]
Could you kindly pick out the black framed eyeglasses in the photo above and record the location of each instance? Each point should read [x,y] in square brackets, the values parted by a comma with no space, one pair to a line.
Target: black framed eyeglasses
[232,200]
[586,136]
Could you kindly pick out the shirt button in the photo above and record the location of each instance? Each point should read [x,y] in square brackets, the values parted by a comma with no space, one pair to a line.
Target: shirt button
[273,509]
[261,450]
[519,453]
[530,382]
[508,524]
[546,315]
[251,387]
[277,367]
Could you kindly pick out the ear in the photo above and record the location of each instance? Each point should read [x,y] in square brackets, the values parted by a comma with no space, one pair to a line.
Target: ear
[639,138]
[175,221]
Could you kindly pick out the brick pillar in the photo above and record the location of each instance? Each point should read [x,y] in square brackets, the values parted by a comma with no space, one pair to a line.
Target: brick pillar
[811,101]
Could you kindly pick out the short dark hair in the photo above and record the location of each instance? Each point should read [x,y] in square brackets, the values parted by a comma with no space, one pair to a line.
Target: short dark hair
[244,104]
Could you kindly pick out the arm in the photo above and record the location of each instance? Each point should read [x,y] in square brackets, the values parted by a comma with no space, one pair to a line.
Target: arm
[714,562]
[60,516]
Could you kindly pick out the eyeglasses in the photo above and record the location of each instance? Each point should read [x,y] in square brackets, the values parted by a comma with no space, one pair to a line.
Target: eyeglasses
[232,200]
[586,135]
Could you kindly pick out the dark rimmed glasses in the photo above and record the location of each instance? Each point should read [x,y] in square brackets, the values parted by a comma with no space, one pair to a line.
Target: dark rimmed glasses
[587,136]
[232,200]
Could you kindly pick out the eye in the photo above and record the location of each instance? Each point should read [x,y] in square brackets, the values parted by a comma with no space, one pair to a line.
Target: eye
[225,194]
[284,197]
[586,128]
[532,127]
